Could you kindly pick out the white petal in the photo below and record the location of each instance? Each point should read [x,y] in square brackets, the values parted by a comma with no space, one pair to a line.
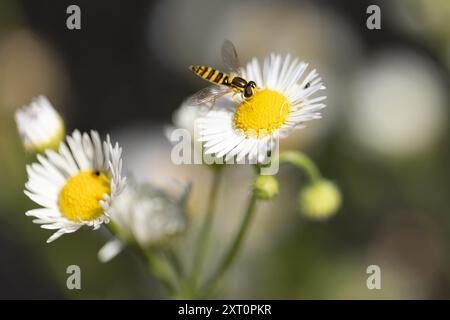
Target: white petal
[110,250]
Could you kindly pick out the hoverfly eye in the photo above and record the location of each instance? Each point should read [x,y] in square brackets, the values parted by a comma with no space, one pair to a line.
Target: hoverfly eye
[248,91]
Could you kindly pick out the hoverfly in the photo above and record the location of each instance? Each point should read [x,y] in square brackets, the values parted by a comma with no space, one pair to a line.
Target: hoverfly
[223,83]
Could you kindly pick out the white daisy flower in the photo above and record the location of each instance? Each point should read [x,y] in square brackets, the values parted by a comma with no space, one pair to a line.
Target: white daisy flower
[186,115]
[148,215]
[282,103]
[75,186]
[184,118]
[39,125]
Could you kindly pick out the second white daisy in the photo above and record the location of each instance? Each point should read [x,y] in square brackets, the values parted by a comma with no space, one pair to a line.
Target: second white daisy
[283,102]
[76,185]
[149,215]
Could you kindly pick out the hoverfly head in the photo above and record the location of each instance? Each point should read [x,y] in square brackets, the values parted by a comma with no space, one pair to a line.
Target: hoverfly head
[250,89]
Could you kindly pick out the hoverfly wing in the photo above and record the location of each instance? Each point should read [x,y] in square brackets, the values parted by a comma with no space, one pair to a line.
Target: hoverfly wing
[208,95]
[230,57]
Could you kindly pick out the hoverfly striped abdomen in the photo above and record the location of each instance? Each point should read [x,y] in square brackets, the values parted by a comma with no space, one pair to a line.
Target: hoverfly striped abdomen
[210,74]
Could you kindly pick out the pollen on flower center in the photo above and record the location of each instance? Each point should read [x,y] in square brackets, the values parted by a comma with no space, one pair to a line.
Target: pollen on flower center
[265,112]
[80,196]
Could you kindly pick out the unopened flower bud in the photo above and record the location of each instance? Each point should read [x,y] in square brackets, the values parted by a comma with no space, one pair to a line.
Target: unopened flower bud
[320,200]
[265,187]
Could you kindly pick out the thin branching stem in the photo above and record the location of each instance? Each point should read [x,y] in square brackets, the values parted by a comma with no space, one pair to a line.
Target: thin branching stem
[205,231]
[234,247]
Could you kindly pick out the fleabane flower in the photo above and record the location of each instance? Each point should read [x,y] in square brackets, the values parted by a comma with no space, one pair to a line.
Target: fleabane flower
[186,115]
[40,126]
[183,121]
[148,215]
[283,102]
[76,185]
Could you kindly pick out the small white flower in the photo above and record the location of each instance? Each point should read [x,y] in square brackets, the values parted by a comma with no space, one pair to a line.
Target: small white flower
[39,125]
[250,128]
[148,215]
[184,118]
[77,185]
[186,115]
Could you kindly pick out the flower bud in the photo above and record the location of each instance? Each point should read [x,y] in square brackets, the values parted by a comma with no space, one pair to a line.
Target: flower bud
[265,187]
[320,200]
[40,126]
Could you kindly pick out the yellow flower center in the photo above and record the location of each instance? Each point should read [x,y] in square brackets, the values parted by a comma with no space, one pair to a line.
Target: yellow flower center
[260,115]
[80,196]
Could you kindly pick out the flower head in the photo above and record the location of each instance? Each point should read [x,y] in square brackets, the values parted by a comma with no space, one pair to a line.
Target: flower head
[186,115]
[282,103]
[39,125]
[76,185]
[148,215]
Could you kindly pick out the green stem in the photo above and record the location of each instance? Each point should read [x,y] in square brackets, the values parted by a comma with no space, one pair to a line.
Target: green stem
[234,247]
[175,262]
[160,269]
[203,239]
[301,161]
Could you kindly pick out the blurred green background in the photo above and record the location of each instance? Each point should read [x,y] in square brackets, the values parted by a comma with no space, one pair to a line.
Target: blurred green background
[384,140]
